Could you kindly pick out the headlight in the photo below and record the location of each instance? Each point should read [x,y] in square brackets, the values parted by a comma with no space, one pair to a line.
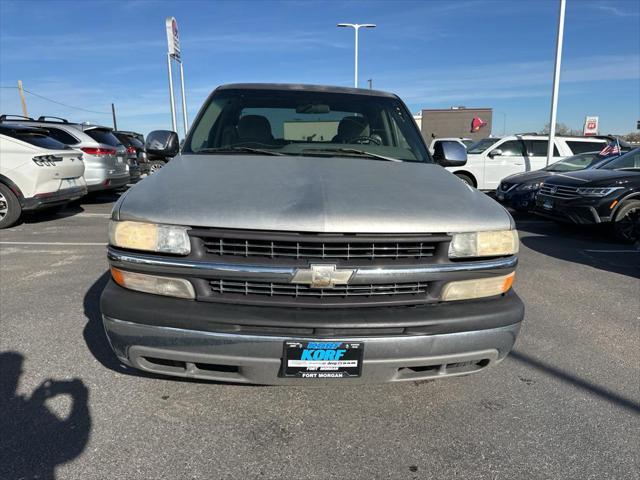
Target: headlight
[597,192]
[484,287]
[158,285]
[530,186]
[149,237]
[484,244]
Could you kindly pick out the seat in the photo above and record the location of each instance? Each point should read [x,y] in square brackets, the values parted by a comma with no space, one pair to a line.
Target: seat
[254,128]
[350,128]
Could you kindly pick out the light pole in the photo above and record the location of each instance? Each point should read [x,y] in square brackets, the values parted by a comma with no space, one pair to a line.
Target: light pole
[356,27]
[504,121]
[556,80]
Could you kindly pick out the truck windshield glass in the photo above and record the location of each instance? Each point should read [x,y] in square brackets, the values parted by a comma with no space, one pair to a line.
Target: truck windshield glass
[307,123]
[482,145]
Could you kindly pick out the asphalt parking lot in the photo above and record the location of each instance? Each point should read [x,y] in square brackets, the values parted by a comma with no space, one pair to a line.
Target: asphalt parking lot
[565,404]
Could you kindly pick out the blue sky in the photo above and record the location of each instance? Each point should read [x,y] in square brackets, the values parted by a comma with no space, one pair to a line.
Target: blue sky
[434,54]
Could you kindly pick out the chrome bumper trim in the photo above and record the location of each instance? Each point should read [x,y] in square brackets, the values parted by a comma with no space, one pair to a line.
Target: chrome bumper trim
[363,275]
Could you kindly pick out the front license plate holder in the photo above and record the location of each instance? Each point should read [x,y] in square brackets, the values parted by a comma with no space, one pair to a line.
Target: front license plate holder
[547,204]
[322,360]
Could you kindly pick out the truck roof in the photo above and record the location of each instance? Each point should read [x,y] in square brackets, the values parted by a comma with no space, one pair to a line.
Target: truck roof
[306,88]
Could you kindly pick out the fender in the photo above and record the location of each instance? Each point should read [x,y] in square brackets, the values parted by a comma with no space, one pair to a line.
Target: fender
[14,188]
[632,195]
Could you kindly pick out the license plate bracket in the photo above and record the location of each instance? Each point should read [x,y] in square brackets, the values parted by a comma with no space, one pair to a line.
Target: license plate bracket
[322,359]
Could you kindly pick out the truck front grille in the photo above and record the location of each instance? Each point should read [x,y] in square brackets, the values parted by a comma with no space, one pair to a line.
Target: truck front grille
[289,293]
[288,247]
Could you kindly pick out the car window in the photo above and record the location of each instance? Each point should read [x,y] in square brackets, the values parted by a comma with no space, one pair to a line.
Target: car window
[512,148]
[482,145]
[538,148]
[124,140]
[102,135]
[583,147]
[307,123]
[574,163]
[62,136]
[38,139]
[468,143]
[628,161]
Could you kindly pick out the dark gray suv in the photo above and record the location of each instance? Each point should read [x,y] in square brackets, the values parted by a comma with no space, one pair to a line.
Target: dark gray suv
[304,234]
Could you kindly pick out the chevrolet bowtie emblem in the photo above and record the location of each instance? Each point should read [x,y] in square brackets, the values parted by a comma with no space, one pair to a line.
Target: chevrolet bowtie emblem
[322,276]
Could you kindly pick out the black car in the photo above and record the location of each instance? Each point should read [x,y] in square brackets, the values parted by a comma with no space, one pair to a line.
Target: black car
[606,195]
[133,154]
[519,191]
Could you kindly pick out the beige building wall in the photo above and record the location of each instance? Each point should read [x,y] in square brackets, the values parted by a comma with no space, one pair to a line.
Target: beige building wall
[438,123]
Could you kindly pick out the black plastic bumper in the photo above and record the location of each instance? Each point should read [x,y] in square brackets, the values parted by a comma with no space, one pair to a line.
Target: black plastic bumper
[57,198]
[154,310]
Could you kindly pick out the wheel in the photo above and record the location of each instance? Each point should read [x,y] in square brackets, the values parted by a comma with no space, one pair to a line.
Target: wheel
[10,209]
[626,225]
[155,166]
[465,178]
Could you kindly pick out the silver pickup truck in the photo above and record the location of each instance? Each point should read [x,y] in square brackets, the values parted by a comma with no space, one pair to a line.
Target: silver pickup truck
[304,234]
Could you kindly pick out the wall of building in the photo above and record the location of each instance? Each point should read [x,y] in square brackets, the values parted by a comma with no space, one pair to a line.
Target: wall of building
[440,123]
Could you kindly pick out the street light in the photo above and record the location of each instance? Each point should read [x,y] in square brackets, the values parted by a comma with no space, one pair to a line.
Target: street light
[356,27]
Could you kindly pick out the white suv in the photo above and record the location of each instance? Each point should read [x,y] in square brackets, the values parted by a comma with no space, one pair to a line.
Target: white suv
[36,172]
[492,159]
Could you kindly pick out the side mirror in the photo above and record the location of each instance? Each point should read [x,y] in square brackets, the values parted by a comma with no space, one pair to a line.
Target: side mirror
[450,154]
[495,153]
[162,143]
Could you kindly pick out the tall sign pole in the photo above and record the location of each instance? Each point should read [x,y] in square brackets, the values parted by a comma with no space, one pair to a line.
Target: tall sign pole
[173,53]
[22,100]
[556,81]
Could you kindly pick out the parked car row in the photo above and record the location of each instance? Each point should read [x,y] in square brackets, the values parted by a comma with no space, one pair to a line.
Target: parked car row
[49,162]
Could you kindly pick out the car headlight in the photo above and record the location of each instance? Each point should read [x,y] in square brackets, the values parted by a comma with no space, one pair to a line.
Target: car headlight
[597,192]
[150,237]
[484,244]
[530,186]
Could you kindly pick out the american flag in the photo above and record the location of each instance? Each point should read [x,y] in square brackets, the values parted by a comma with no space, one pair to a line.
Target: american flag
[612,148]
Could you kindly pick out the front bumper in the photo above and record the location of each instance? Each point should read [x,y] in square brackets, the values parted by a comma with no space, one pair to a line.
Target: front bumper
[245,343]
[53,199]
[519,199]
[582,210]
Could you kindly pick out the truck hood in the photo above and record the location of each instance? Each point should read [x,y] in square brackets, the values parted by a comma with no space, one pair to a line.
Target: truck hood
[310,194]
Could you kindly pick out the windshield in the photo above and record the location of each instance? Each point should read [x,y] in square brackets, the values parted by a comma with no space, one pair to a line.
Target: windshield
[628,161]
[482,145]
[468,143]
[576,162]
[306,123]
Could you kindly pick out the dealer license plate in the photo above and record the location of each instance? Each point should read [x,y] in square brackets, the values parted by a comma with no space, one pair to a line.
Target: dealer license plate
[322,359]
[547,204]
[120,159]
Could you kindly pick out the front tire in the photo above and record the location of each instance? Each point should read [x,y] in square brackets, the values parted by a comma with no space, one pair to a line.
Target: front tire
[626,226]
[155,166]
[465,178]
[10,209]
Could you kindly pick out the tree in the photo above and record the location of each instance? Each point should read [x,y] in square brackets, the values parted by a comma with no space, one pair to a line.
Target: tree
[633,137]
[561,129]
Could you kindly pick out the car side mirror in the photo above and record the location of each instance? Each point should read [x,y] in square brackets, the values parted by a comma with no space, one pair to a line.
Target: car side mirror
[495,153]
[450,154]
[162,143]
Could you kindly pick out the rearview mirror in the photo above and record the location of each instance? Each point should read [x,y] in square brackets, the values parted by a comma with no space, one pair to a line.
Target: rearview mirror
[495,153]
[450,154]
[162,143]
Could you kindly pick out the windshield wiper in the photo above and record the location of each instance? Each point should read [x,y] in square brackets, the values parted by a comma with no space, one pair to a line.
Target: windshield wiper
[353,151]
[239,149]
[628,168]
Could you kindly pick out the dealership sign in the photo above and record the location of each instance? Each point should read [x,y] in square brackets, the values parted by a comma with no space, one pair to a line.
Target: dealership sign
[591,126]
[172,37]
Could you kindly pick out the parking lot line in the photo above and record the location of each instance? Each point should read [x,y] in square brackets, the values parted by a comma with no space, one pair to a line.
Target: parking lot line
[613,251]
[102,244]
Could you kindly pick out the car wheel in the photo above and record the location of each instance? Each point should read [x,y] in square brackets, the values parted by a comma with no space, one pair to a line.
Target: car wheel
[465,178]
[10,209]
[155,166]
[626,225]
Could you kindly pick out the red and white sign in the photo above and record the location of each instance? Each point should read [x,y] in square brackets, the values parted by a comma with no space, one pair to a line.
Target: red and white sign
[172,37]
[476,124]
[590,126]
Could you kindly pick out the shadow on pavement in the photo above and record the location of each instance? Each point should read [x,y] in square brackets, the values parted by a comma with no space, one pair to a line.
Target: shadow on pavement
[578,382]
[33,439]
[592,246]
